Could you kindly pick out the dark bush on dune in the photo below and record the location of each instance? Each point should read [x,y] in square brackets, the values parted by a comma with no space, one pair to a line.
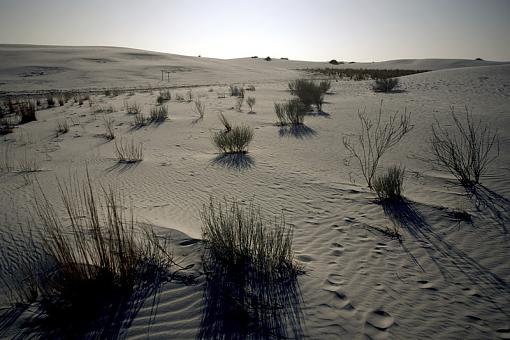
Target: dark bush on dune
[27,112]
[291,112]
[333,62]
[388,186]
[235,140]
[50,101]
[267,59]
[385,85]
[309,92]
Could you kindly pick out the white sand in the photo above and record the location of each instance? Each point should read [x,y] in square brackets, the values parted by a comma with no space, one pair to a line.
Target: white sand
[448,279]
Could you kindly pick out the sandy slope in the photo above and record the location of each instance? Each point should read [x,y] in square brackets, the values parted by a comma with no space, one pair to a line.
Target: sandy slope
[447,279]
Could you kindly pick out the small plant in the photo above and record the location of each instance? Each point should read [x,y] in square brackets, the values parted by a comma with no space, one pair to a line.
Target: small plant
[132,108]
[62,127]
[6,126]
[27,112]
[189,95]
[385,84]
[179,97]
[108,125]
[234,141]
[159,114]
[308,92]
[50,101]
[467,151]
[239,103]
[325,86]
[61,101]
[250,101]
[374,138]
[128,152]
[225,123]
[235,91]
[388,186]
[239,238]
[164,96]
[139,120]
[199,108]
[267,58]
[107,93]
[28,163]
[250,88]
[333,62]
[291,112]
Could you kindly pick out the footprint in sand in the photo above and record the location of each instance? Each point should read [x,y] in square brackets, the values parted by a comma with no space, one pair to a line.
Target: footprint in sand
[380,319]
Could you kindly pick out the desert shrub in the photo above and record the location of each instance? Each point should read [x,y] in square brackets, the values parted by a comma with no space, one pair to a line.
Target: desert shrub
[6,126]
[388,186]
[132,108]
[62,127]
[140,120]
[254,57]
[226,124]
[50,101]
[104,109]
[290,112]
[28,163]
[362,74]
[108,126]
[250,88]
[267,59]
[164,96]
[159,114]
[333,62]
[284,58]
[239,238]
[239,103]
[27,112]
[385,84]
[128,152]
[234,141]
[374,138]
[250,101]
[61,101]
[236,91]
[466,150]
[107,93]
[199,108]
[308,92]
[99,256]
[189,95]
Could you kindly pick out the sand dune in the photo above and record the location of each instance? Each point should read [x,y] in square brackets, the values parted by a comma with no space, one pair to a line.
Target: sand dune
[448,278]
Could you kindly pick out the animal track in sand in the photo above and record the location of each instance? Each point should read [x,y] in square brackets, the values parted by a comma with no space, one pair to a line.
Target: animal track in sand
[380,319]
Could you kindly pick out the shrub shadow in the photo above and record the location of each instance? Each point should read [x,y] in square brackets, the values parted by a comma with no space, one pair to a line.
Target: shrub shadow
[297,131]
[122,166]
[450,260]
[241,304]
[497,205]
[237,161]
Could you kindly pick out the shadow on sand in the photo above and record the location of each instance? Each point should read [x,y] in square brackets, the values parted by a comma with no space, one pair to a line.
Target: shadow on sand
[450,260]
[497,205]
[241,304]
[237,161]
[297,131]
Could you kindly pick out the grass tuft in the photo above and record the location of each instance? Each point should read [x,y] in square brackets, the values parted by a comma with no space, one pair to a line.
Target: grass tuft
[236,140]
[388,186]
[128,152]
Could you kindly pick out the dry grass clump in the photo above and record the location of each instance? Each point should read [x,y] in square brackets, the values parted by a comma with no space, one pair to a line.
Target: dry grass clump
[159,114]
[362,74]
[128,152]
[26,111]
[239,104]
[385,84]
[236,140]
[388,186]
[132,108]
[90,262]
[29,163]
[240,239]
[236,91]
[291,112]
[250,88]
[50,101]
[108,125]
[6,126]
[374,138]
[466,150]
[62,127]
[250,101]
[164,96]
[104,109]
[199,109]
[140,120]
[309,92]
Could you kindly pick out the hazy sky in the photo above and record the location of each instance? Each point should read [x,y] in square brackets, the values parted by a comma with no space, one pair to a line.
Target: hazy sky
[360,30]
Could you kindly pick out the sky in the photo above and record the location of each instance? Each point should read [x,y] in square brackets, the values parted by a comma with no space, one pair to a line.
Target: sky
[316,30]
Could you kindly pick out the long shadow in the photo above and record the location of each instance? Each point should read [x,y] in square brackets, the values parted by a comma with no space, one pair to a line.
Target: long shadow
[297,131]
[319,114]
[237,161]
[449,259]
[122,166]
[496,204]
[241,304]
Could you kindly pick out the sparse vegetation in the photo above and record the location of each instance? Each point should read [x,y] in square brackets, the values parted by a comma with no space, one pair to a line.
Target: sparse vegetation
[385,84]
[104,109]
[139,120]
[362,74]
[234,141]
[6,126]
[132,108]
[225,122]
[50,101]
[334,62]
[239,238]
[199,108]
[290,112]
[309,92]
[467,150]
[128,152]
[164,96]
[374,138]
[62,127]
[250,101]
[159,114]
[236,91]
[250,88]
[267,59]
[108,125]
[388,186]
[26,112]
[239,103]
